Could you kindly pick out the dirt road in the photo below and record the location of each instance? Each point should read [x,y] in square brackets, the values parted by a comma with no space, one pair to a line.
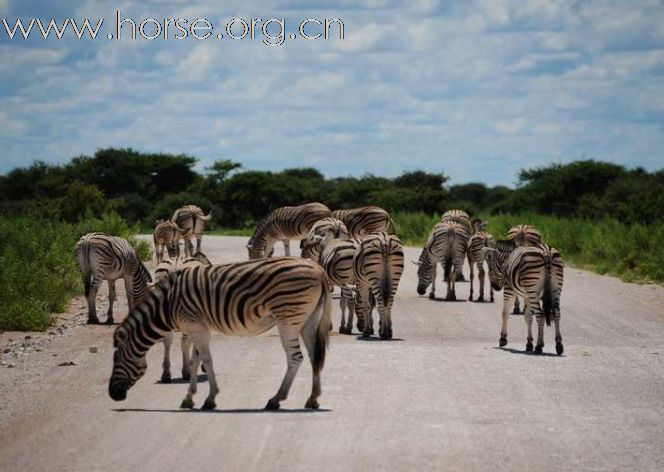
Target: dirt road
[440,397]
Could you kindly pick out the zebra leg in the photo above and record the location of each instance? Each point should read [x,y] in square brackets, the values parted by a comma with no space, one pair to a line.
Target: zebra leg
[309,334]
[166,364]
[534,306]
[291,342]
[451,285]
[432,294]
[351,311]
[480,275]
[517,307]
[343,304]
[199,240]
[508,301]
[92,300]
[186,357]
[385,331]
[188,401]
[286,246]
[472,279]
[202,346]
[556,319]
[111,298]
[528,316]
[188,247]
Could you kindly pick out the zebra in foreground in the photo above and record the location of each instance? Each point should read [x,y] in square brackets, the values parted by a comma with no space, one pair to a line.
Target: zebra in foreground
[192,220]
[523,235]
[447,245]
[534,273]
[477,242]
[167,236]
[242,299]
[163,272]
[367,220]
[284,224]
[377,265]
[102,257]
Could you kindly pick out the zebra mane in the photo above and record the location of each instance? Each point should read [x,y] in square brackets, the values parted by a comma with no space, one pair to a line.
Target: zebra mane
[259,233]
[505,245]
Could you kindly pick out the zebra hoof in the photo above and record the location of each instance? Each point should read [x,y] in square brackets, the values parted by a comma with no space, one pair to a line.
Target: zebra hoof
[559,348]
[343,330]
[109,320]
[187,403]
[432,296]
[386,333]
[166,377]
[93,320]
[272,405]
[480,298]
[312,404]
[503,341]
[529,347]
[209,405]
[186,375]
[538,349]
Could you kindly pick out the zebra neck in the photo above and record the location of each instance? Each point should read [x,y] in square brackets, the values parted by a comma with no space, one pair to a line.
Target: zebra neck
[257,240]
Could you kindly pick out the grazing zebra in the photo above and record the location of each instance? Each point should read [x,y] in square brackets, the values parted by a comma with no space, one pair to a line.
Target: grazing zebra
[534,273]
[365,220]
[447,245]
[167,236]
[378,265]
[103,257]
[284,224]
[320,233]
[523,235]
[477,242]
[192,220]
[242,299]
[163,272]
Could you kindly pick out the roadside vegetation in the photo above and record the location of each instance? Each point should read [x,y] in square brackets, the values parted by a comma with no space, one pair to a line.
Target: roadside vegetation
[599,215]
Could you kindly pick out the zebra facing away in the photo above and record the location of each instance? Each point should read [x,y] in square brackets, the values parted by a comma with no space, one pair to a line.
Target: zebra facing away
[167,236]
[284,224]
[534,273]
[242,299]
[102,257]
[477,242]
[363,221]
[447,245]
[523,235]
[192,220]
[457,216]
[163,272]
[378,265]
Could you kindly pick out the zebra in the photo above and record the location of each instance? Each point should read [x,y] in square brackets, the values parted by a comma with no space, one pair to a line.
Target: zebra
[534,273]
[242,299]
[284,224]
[478,241]
[447,245]
[363,221]
[523,235]
[457,216]
[163,272]
[320,233]
[192,220]
[167,236]
[102,257]
[378,265]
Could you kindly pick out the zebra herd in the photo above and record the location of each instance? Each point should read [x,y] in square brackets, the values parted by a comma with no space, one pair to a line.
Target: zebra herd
[355,250]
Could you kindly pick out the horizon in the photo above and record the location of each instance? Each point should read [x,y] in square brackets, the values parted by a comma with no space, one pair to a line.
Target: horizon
[475,90]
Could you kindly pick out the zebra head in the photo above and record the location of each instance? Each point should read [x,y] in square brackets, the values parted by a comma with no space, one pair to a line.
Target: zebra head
[424,271]
[129,365]
[496,257]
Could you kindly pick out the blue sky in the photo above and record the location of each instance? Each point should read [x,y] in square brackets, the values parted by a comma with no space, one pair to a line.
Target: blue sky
[477,90]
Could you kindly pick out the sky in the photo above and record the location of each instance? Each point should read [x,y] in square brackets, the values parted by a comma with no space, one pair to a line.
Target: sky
[475,89]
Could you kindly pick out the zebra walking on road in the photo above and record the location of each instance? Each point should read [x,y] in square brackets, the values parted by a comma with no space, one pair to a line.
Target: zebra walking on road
[192,220]
[284,224]
[447,245]
[367,220]
[523,235]
[477,242]
[167,236]
[534,273]
[242,299]
[102,257]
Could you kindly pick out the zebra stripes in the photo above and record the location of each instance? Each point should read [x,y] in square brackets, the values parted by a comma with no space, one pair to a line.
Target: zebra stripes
[477,242]
[363,221]
[457,216]
[534,273]
[378,265]
[447,245]
[167,236]
[321,232]
[192,220]
[284,224]
[525,235]
[242,299]
[102,257]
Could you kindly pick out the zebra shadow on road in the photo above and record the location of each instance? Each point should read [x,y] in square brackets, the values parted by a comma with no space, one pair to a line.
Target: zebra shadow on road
[201,378]
[378,339]
[227,411]
[528,353]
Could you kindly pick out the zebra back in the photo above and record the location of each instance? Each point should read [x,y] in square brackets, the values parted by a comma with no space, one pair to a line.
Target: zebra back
[379,262]
[525,235]
[363,221]
[165,268]
[337,259]
[477,243]
[191,219]
[457,216]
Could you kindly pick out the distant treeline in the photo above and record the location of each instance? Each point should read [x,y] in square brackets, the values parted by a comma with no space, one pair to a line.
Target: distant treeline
[142,187]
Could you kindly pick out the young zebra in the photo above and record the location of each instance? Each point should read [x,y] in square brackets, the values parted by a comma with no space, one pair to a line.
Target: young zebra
[523,235]
[478,241]
[284,224]
[103,257]
[242,299]
[534,273]
[365,220]
[192,220]
[163,272]
[378,265]
[447,245]
[167,236]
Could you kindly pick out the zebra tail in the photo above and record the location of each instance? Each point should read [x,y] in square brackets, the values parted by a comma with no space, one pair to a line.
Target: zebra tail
[323,329]
[547,295]
[83,260]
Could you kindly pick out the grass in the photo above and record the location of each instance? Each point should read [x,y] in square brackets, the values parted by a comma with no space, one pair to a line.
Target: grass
[38,273]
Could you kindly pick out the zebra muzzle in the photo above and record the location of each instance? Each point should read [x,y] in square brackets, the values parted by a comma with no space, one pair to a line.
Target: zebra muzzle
[118,390]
